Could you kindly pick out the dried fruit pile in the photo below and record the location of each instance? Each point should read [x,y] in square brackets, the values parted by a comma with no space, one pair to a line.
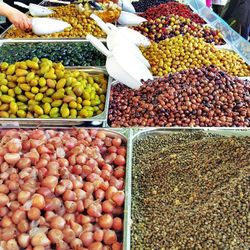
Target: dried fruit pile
[172,8]
[170,26]
[201,97]
[190,191]
[61,189]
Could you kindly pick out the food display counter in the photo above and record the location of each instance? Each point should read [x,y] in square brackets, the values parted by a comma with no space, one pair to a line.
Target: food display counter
[88,162]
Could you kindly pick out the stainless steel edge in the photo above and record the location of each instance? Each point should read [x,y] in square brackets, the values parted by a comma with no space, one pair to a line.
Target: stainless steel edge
[39,122]
[124,134]
[35,40]
[39,39]
[128,195]
[226,131]
[106,109]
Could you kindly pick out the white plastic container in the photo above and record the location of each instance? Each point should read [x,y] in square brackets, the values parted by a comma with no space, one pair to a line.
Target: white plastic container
[46,26]
[123,66]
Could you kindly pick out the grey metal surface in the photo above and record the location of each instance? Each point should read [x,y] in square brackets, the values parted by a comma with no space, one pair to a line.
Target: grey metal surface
[36,122]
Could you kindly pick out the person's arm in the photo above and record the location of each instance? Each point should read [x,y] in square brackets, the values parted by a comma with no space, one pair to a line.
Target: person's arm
[19,19]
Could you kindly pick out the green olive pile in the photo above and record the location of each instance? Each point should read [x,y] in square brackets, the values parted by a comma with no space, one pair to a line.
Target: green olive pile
[169,26]
[81,25]
[43,89]
[190,191]
[185,52]
[70,54]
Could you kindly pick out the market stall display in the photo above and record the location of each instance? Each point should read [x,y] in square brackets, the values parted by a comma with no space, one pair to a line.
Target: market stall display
[206,97]
[187,190]
[70,54]
[62,189]
[43,89]
[184,52]
[130,185]
[169,26]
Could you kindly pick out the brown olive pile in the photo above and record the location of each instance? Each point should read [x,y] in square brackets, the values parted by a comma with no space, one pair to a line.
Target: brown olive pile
[169,26]
[61,190]
[185,52]
[191,193]
[204,97]
[81,25]
[43,89]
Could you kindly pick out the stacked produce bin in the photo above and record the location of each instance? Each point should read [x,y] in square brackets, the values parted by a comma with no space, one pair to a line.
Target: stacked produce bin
[88,163]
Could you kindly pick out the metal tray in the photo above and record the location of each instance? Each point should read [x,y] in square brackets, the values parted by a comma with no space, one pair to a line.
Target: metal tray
[114,82]
[138,133]
[55,46]
[93,121]
[36,39]
[124,134]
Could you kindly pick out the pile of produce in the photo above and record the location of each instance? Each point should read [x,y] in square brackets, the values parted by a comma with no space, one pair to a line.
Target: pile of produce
[143,5]
[43,89]
[61,189]
[206,97]
[190,191]
[172,8]
[170,26]
[70,54]
[81,25]
[110,11]
[185,52]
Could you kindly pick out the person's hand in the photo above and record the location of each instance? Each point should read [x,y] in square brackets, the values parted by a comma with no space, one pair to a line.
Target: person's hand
[19,19]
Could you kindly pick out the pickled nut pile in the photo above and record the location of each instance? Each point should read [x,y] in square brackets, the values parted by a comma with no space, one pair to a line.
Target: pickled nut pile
[204,97]
[61,189]
[70,54]
[43,89]
[169,26]
[81,25]
[185,52]
[190,191]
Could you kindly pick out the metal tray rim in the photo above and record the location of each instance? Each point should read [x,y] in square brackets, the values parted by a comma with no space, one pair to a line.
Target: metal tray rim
[37,39]
[143,132]
[124,134]
[227,131]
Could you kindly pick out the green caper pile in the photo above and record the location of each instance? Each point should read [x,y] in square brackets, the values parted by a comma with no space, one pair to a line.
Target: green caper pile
[190,190]
[43,89]
[81,25]
[186,52]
